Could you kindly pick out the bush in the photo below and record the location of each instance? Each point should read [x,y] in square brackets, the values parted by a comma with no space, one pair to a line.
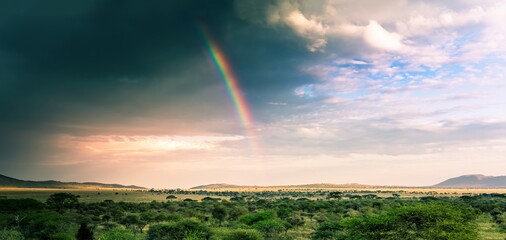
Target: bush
[11,235]
[84,233]
[250,219]
[501,220]
[327,230]
[117,233]
[182,230]
[61,236]
[243,234]
[270,228]
[47,225]
[14,205]
[62,201]
[423,221]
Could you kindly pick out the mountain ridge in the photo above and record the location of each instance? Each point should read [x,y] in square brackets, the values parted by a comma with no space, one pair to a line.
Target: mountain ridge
[464,181]
[474,181]
[9,182]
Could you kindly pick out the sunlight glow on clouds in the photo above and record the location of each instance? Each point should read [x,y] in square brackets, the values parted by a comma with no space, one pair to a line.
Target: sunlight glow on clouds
[139,146]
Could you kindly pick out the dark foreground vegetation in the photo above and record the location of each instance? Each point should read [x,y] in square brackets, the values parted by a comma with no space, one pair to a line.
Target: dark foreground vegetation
[337,216]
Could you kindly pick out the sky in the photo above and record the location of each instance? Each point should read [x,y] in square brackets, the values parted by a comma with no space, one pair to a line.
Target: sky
[171,94]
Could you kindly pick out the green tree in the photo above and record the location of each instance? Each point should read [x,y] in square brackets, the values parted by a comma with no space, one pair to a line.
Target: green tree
[284,212]
[84,233]
[295,221]
[219,213]
[433,220]
[146,218]
[250,219]
[335,195]
[270,228]
[501,220]
[327,230]
[47,225]
[171,197]
[62,201]
[131,221]
[236,212]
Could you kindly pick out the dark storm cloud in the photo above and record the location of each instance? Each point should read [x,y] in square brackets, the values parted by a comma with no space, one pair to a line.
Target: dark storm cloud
[93,63]
[81,59]
[87,53]
[112,37]
[73,63]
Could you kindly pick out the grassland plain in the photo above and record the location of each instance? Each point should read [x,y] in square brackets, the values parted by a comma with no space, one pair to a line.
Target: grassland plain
[94,195]
[313,212]
[130,195]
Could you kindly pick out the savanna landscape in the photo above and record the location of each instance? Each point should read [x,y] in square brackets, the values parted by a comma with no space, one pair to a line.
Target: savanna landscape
[252,120]
[222,211]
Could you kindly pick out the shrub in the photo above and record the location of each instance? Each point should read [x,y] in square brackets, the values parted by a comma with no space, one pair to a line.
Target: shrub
[117,233]
[84,233]
[11,235]
[270,228]
[423,221]
[243,234]
[327,230]
[184,229]
[14,205]
[251,219]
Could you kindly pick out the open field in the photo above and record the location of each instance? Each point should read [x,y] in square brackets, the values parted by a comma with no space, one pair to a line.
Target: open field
[97,195]
[129,195]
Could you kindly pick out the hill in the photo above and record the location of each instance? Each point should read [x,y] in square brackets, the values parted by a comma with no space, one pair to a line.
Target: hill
[474,181]
[8,182]
[465,181]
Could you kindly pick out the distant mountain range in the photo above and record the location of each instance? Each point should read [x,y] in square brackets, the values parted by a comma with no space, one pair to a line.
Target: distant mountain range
[474,181]
[8,182]
[466,181]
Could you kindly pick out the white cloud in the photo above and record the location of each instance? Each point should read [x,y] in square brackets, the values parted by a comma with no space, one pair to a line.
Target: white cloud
[426,23]
[430,33]
[302,25]
[289,14]
[278,103]
[376,36]
[304,91]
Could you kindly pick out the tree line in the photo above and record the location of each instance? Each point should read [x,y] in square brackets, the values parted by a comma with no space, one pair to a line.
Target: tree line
[63,217]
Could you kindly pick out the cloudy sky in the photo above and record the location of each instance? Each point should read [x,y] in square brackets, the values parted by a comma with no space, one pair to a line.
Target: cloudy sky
[394,92]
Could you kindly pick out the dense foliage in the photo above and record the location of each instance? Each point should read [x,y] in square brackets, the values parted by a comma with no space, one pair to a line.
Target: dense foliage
[337,216]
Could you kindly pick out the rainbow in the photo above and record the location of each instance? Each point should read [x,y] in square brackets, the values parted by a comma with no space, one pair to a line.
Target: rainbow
[228,76]
[232,84]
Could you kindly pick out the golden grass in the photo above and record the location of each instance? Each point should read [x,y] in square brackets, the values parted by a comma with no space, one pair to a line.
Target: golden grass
[94,195]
